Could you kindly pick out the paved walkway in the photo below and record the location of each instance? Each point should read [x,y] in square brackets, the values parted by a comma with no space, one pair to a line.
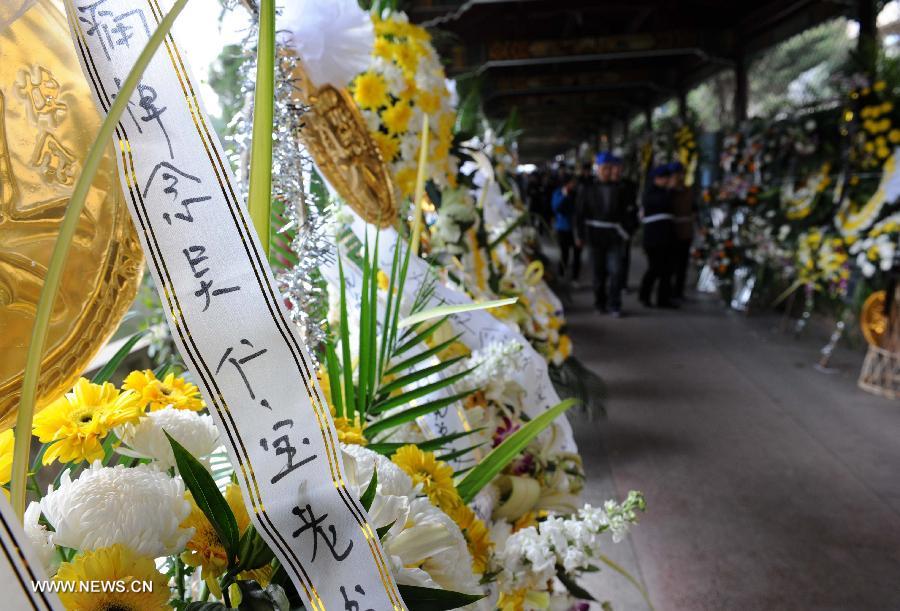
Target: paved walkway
[769,485]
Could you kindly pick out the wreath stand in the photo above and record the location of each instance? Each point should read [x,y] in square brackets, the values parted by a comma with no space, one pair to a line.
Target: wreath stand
[880,374]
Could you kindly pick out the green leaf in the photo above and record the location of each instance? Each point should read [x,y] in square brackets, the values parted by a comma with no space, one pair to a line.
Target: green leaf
[386,330]
[259,197]
[419,374]
[121,354]
[457,453]
[422,356]
[388,448]
[208,498]
[381,532]
[503,454]
[373,374]
[347,365]
[431,599]
[418,337]
[363,354]
[334,378]
[412,413]
[369,495]
[161,371]
[572,586]
[253,552]
[415,393]
[448,310]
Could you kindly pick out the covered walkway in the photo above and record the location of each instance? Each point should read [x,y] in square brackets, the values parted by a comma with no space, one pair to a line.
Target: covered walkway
[769,484]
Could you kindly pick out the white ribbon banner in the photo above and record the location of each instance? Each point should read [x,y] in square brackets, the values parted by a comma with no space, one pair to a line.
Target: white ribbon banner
[22,579]
[226,315]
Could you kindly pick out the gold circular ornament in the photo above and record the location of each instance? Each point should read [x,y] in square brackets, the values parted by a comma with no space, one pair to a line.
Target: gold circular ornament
[872,320]
[338,139]
[48,121]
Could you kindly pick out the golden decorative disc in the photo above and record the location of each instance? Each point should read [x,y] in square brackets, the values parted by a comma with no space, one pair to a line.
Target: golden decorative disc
[872,320]
[48,121]
[337,137]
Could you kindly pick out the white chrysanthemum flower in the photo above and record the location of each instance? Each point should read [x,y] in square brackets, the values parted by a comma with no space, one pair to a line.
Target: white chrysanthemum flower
[450,568]
[426,548]
[140,507]
[147,439]
[333,37]
[39,537]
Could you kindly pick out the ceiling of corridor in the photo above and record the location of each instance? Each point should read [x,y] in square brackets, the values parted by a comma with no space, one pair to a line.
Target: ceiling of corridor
[572,66]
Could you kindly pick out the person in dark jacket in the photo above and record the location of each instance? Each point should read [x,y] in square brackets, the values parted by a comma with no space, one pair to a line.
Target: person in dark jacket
[659,239]
[628,193]
[599,214]
[683,209]
[563,221]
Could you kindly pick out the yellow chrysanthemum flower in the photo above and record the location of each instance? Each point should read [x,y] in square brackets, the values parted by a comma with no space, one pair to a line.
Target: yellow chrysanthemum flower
[525,521]
[370,90]
[388,145]
[478,539]
[441,151]
[170,391]
[435,476]
[565,346]
[382,48]
[205,549]
[350,431]
[407,57]
[77,422]
[429,102]
[396,118]
[406,180]
[114,564]
[519,600]
[7,441]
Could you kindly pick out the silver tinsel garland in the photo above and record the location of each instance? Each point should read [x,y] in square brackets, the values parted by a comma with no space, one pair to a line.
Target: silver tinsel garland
[304,225]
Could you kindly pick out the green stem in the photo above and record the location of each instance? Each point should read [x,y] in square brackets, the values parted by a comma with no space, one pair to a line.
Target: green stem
[259,199]
[179,577]
[621,571]
[25,416]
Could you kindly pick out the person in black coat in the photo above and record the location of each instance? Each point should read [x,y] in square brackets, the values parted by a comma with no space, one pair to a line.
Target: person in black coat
[659,237]
[599,214]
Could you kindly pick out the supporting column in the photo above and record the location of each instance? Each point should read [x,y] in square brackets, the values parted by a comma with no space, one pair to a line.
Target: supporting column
[740,89]
[682,104]
[867,43]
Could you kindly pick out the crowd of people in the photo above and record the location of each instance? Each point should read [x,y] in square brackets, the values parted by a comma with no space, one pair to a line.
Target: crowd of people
[598,209]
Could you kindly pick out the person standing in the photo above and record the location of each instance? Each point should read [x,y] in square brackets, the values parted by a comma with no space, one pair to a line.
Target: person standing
[683,209]
[563,222]
[628,194]
[659,238]
[599,213]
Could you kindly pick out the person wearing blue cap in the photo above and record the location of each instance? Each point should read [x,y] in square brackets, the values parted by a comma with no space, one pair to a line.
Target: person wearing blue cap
[599,214]
[659,237]
[563,216]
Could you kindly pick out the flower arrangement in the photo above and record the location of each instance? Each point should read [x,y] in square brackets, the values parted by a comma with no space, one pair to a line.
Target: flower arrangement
[876,251]
[403,83]
[823,262]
